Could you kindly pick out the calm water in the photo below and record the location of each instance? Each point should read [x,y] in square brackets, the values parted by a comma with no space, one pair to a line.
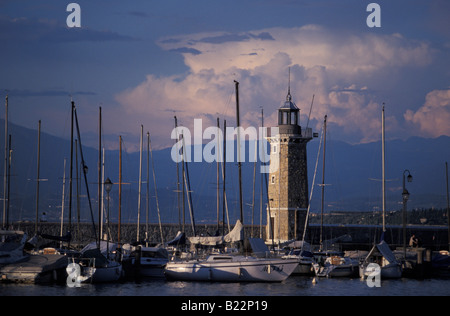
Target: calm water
[293,286]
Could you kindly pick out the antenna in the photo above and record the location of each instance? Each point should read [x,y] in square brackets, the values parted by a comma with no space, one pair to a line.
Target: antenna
[289,97]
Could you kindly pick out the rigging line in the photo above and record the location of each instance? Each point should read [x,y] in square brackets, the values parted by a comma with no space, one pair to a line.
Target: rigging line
[312,187]
[154,182]
[84,172]
[310,109]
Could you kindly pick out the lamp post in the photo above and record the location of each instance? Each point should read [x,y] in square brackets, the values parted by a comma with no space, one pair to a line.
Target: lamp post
[108,186]
[405,196]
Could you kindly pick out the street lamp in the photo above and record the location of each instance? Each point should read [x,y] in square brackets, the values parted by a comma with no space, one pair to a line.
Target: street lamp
[405,196]
[108,186]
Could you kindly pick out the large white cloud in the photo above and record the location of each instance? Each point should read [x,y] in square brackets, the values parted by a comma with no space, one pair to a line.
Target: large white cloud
[433,118]
[337,68]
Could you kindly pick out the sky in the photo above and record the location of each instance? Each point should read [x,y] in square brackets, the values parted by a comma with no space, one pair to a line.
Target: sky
[143,62]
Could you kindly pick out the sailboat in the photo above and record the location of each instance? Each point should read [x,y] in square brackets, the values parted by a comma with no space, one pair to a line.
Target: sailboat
[139,260]
[232,267]
[95,260]
[381,254]
[331,263]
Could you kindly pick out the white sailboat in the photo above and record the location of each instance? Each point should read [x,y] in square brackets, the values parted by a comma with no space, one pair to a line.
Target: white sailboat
[390,267]
[96,255]
[147,262]
[232,268]
[95,262]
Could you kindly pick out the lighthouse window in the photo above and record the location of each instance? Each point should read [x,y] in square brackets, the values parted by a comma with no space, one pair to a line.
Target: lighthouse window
[274,149]
[294,118]
[272,180]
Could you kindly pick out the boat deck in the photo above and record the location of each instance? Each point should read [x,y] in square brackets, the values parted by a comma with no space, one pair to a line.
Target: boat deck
[35,269]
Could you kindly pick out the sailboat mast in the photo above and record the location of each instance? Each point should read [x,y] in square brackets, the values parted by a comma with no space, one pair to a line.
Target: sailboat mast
[147,195]
[9,180]
[383,167]
[71,165]
[62,203]
[85,169]
[156,188]
[448,204]
[99,189]
[120,190]
[262,179]
[239,152]
[38,178]
[323,179]
[187,183]
[140,184]
[178,178]
[6,162]
[223,175]
[218,172]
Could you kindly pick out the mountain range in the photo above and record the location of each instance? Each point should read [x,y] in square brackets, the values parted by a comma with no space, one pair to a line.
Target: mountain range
[352,178]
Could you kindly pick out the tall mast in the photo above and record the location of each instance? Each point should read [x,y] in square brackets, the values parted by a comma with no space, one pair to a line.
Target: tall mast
[6,162]
[178,178]
[85,169]
[62,203]
[77,184]
[120,189]
[448,204]
[9,180]
[262,178]
[239,152]
[38,178]
[187,183]
[383,169]
[147,205]
[71,164]
[156,189]
[218,171]
[140,184]
[99,189]
[223,175]
[323,179]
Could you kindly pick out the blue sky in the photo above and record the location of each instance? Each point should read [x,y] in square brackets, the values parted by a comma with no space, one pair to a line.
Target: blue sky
[144,61]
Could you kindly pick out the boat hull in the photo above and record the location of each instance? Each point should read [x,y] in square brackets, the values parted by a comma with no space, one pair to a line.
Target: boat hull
[304,269]
[245,269]
[110,273]
[390,271]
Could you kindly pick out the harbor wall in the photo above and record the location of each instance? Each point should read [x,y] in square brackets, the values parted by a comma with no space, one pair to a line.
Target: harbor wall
[348,237]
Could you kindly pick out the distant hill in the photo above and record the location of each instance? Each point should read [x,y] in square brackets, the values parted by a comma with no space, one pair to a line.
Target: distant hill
[353,173]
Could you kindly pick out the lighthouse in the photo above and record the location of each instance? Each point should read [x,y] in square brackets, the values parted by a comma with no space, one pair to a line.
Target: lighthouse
[288,175]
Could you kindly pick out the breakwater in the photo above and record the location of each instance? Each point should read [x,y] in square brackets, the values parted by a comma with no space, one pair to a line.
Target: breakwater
[347,237]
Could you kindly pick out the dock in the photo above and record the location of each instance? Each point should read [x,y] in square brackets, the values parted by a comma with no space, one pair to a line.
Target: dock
[35,269]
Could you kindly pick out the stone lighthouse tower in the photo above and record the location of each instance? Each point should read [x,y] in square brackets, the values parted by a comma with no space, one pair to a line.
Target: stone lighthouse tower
[288,176]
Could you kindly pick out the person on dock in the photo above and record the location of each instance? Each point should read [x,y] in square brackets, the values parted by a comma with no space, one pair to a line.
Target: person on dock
[413,241]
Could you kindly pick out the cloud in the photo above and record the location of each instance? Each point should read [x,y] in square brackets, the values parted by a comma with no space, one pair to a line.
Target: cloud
[46,93]
[28,30]
[338,68]
[433,117]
